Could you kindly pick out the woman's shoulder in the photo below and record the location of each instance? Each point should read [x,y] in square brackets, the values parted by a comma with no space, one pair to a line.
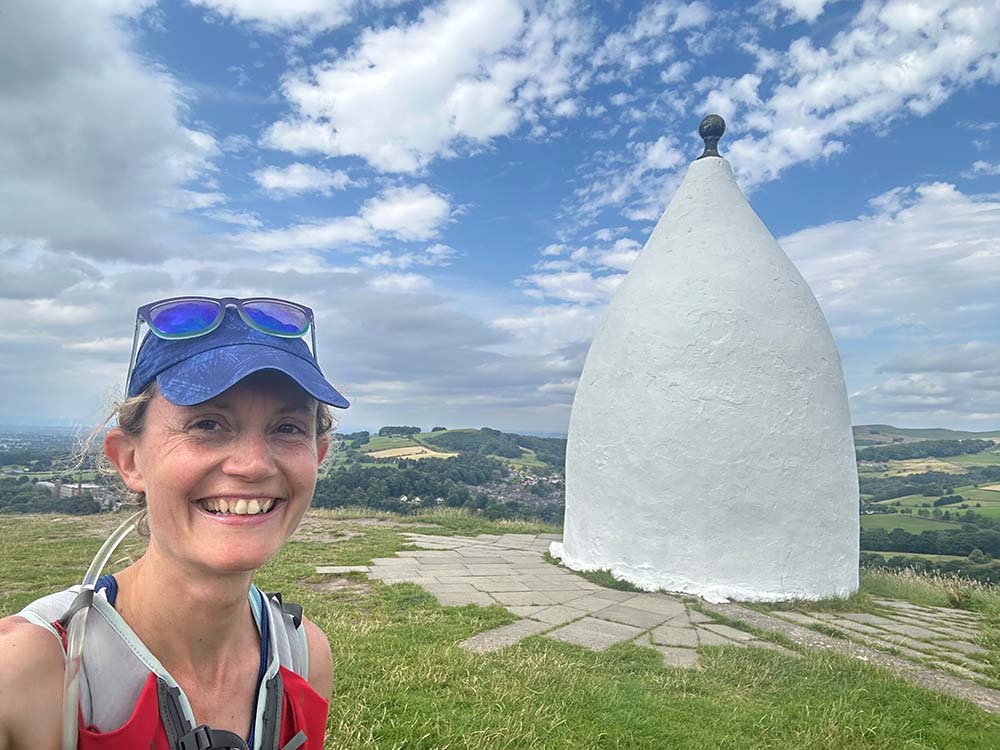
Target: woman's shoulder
[320,659]
[31,677]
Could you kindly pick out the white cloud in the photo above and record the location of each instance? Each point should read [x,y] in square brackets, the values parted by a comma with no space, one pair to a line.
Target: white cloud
[807,10]
[401,282]
[298,178]
[95,150]
[621,256]
[435,255]
[985,168]
[284,15]
[410,213]
[406,213]
[647,40]
[327,234]
[246,219]
[457,77]
[909,290]
[897,59]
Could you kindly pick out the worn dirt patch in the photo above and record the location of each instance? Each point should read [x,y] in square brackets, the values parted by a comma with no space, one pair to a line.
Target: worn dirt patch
[340,584]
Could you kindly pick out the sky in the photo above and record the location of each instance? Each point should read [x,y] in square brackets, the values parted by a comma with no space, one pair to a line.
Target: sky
[457,188]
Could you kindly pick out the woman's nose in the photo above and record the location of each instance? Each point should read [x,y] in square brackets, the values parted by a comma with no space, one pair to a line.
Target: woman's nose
[250,458]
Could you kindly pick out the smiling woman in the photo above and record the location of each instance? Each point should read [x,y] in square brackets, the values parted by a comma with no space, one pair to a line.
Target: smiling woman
[219,438]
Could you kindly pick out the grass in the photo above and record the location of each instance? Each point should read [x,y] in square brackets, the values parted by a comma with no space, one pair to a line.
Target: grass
[986,458]
[604,578]
[913,524]
[401,681]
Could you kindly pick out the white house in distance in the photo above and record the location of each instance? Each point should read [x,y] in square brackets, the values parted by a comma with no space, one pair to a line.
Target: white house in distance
[710,446]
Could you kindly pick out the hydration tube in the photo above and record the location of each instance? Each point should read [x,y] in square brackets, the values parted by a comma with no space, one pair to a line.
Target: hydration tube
[76,628]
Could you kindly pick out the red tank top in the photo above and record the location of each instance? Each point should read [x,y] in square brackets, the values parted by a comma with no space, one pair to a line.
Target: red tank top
[303,711]
[111,645]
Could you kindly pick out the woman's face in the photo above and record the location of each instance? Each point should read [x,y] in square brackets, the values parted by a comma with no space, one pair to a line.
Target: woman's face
[228,480]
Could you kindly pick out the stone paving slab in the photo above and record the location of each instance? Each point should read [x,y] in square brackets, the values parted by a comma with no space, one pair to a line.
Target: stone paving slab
[491,585]
[711,638]
[557,614]
[859,627]
[459,600]
[913,631]
[594,634]
[630,616]
[964,646]
[668,636]
[505,635]
[590,603]
[523,598]
[727,632]
[509,570]
[661,604]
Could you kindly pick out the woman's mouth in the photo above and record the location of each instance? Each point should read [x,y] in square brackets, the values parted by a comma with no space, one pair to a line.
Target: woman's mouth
[239,506]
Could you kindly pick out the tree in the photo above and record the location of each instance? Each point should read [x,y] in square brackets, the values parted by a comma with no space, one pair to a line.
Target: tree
[979,557]
[438,429]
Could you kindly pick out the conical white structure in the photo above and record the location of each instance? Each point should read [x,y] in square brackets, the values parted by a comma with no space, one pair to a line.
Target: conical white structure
[710,445]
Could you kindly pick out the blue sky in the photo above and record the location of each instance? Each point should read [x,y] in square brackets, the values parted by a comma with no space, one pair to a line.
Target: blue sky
[457,188]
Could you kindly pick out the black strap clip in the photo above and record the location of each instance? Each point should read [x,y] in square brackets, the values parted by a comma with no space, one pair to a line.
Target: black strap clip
[204,738]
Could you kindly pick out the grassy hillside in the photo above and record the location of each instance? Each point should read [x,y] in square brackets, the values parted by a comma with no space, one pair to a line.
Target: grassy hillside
[401,682]
[913,524]
[885,433]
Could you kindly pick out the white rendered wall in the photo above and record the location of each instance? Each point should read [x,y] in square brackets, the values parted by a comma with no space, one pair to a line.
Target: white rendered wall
[710,446]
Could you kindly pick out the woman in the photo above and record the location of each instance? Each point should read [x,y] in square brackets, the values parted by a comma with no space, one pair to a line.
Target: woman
[221,435]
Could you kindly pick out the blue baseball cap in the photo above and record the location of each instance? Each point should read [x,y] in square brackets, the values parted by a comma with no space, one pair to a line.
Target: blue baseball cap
[190,371]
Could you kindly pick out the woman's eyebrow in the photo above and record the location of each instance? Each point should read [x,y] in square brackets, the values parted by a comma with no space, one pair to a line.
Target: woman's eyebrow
[292,408]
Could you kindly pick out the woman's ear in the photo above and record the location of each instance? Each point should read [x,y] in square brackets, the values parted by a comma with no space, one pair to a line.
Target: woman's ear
[120,449]
[322,446]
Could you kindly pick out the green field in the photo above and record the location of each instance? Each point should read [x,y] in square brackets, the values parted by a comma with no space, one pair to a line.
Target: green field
[913,524]
[401,682]
[387,443]
[986,458]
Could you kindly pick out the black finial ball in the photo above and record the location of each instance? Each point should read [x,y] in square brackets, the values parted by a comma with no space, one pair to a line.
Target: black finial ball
[711,130]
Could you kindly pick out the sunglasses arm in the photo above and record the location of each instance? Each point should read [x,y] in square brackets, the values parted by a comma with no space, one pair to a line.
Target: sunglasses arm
[131,357]
[312,330]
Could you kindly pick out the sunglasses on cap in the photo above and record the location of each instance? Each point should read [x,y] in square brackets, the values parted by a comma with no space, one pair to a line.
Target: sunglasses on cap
[180,318]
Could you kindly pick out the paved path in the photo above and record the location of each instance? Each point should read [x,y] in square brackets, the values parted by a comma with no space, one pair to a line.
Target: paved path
[931,646]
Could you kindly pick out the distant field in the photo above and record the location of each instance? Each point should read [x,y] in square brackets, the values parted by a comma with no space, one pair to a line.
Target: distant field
[908,501]
[923,556]
[415,452]
[986,458]
[387,443]
[980,494]
[919,466]
[913,524]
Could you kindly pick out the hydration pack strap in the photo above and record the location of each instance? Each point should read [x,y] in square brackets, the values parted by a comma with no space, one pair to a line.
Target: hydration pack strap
[84,599]
[296,742]
[180,736]
[271,720]
[293,610]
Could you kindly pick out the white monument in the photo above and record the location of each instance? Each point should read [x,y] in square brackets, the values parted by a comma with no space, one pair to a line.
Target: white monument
[710,446]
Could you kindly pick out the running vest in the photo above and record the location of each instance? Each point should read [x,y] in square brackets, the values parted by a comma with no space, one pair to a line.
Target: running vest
[129,701]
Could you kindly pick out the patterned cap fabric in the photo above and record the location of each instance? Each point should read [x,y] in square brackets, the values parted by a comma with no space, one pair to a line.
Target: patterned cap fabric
[190,371]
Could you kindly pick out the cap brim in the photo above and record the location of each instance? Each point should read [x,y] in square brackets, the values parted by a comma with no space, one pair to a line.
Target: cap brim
[208,374]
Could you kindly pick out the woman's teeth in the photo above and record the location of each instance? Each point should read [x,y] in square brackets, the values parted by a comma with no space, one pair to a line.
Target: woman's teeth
[239,507]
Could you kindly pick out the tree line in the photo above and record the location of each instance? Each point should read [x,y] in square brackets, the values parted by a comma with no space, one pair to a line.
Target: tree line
[19,495]
[923,449]
[928,483]
[382,486]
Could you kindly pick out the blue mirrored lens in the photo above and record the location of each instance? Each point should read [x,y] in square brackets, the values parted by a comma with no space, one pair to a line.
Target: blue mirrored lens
[184,318]
[275,317]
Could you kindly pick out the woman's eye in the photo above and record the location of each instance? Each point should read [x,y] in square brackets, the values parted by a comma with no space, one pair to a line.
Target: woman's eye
[291,429]
[207,425]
